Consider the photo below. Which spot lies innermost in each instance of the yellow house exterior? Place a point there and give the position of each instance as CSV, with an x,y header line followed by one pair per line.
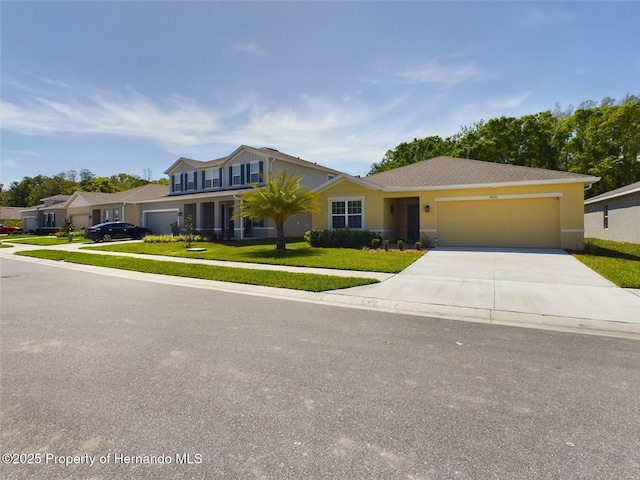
x,y
461,202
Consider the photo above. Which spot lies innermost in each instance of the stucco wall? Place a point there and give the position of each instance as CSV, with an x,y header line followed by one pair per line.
x,y
624,219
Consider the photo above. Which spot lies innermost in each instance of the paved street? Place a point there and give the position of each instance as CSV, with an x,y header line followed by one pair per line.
x,y
208,384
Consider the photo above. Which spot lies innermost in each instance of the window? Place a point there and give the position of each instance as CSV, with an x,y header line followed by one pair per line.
x,y
49,220
346,214
106,215
254,173
191,183
606,217
177,185
116,215
236,175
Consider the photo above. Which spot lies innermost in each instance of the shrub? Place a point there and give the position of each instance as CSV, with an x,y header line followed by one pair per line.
x,y
340,238
401,245
418,246
386,245
375,243
427,241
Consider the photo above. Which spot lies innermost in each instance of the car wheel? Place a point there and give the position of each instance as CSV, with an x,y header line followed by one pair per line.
x,y
106,237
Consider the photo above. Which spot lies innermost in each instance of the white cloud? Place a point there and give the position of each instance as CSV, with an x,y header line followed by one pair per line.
x,y
250,48
442,74
547,16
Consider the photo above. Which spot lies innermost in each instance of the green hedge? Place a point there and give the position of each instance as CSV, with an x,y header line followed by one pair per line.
x,y
340,238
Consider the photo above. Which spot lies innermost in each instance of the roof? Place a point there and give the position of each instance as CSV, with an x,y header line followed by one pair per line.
x,y
150,191
618,192
264,151
10,213
451,171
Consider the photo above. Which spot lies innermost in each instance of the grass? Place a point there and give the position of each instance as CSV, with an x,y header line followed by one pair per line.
x,y
298,254
292,280
47,240
617,262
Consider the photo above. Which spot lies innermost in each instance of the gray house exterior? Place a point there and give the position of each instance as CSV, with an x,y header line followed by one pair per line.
x,y
48,216
614,215
207,191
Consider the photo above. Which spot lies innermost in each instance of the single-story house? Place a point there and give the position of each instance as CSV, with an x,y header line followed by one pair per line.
x,y
614,215
461,202
47,216
90,208
10,213
207,191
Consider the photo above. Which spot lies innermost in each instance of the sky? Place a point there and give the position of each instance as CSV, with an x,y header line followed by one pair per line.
x,y
130,87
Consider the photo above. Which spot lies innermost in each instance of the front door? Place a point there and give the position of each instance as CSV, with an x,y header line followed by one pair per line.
x,y
413,223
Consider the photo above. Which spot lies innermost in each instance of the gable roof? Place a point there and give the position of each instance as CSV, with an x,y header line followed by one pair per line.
x,y
150,191
265,152
450,171
618,192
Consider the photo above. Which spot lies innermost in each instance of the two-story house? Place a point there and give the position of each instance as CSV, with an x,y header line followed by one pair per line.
x,y
208,191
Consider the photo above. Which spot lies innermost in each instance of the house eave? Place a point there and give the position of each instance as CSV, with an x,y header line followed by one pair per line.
x,y
609,197
587,181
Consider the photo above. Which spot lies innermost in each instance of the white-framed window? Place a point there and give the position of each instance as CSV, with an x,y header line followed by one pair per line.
x,y
346,213
212,178
177,185
106,215
236,175
191,180
116,215
254,172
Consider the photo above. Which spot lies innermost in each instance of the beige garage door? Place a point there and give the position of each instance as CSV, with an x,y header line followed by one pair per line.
x,y
526,222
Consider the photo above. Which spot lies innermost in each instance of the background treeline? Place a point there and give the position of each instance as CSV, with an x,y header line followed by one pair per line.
x,y
31,190
595,139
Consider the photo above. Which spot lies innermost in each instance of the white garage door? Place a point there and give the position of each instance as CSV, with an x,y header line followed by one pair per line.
x,y
160,222
519,222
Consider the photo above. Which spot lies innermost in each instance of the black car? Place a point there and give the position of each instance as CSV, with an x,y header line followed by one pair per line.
x,y
105,232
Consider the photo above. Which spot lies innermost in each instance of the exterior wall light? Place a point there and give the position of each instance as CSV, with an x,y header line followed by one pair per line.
x,y
426,208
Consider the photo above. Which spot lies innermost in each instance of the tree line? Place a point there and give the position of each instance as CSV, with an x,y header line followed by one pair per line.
x,y
595,139
31,190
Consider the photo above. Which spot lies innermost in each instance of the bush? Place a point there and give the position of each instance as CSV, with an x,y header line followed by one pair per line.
x,y
375,243
418,246
401,245
340,238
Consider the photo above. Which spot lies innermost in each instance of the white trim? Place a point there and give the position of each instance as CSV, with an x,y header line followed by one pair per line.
x,y
499,197
608,197
572,230
429,230
346,200
426,188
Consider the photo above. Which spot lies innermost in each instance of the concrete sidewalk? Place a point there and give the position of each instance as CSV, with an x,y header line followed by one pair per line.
x,y
534,288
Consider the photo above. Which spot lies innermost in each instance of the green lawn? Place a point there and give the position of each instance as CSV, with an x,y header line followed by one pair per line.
x,y
47,240
617,262
298,254
269,278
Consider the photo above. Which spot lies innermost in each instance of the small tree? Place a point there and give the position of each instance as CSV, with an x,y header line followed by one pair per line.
x,y
67,228
281,197
188,230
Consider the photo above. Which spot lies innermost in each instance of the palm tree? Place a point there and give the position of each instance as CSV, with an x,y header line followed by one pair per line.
x,y
279,198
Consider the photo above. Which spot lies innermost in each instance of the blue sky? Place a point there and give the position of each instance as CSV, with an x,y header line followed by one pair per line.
x,y
127,86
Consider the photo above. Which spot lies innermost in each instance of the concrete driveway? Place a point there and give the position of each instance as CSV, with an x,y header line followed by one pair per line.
x,y
499,285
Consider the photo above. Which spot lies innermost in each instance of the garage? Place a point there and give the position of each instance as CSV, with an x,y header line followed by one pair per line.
x,y
159,222
499,222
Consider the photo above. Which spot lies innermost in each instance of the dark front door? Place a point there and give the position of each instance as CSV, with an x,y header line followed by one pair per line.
x,y
413,223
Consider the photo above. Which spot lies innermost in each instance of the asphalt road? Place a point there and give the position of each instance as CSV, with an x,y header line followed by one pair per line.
x,y
205,384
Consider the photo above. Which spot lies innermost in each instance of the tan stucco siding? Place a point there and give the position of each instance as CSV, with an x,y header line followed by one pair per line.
x,y
568,215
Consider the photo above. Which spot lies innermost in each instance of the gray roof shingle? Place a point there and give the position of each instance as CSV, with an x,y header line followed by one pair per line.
x,y
445,171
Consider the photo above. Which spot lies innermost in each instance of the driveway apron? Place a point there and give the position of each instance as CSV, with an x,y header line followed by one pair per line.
x,y
506,284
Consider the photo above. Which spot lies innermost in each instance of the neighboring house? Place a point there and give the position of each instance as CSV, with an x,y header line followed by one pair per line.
x,y
90,208
614,215
461,202
10,213
48,216
208,191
